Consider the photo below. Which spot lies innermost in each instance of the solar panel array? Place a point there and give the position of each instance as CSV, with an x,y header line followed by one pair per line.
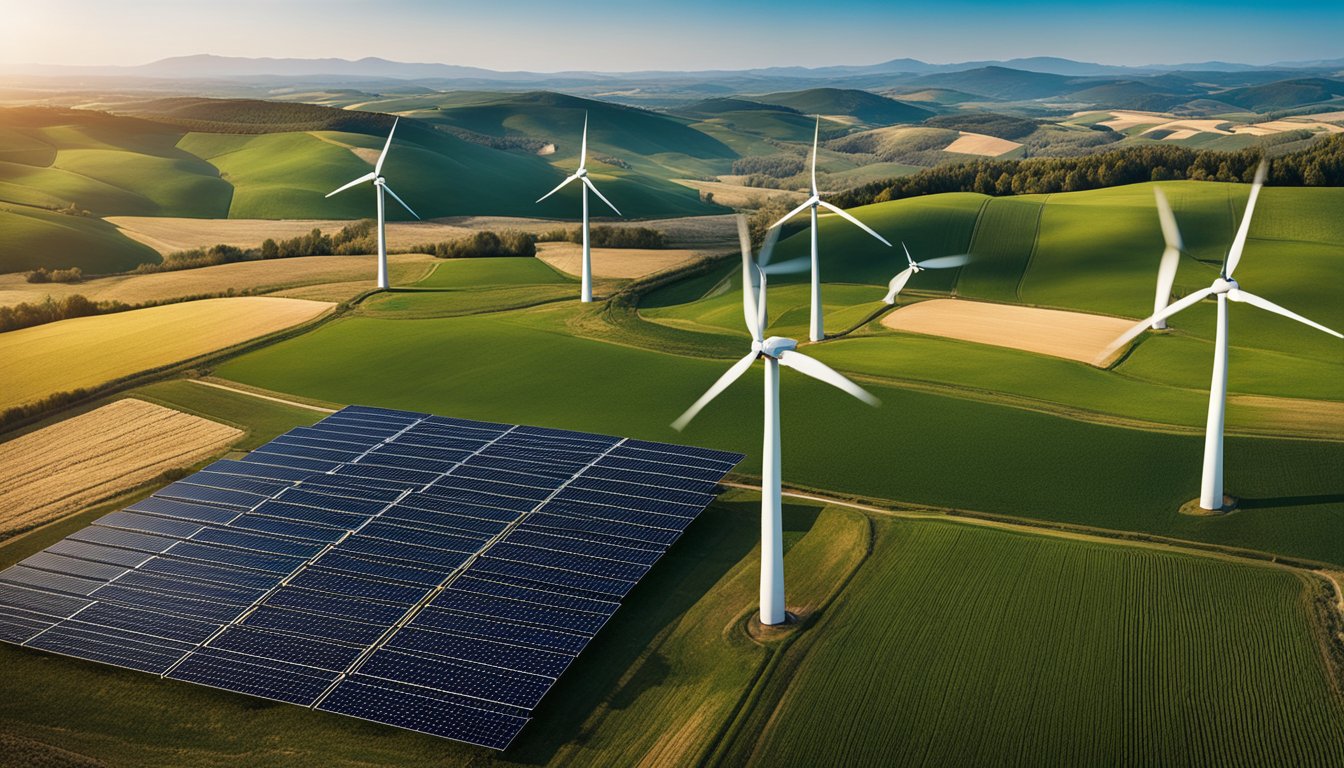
x,y
431,573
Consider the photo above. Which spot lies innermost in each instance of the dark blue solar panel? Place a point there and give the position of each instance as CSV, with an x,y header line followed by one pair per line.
x,y
426,711
431,573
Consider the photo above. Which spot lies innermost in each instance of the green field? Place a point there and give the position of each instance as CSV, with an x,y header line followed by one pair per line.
x,y
39,238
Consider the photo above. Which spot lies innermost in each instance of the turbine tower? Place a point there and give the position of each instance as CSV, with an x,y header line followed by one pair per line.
x,y
775,351
380,184
586,293
942,262
1225,288
816,331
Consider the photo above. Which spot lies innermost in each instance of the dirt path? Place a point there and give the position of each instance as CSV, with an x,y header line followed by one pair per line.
x,y
260,396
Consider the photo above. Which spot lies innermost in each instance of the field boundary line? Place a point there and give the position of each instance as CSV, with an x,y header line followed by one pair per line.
x,y
273,399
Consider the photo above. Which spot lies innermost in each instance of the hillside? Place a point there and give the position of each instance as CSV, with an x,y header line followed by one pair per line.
x,y
862,105
1285,94
998,83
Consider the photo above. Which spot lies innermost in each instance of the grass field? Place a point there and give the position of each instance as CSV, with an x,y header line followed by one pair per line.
x,y
38,238
88,351
77,463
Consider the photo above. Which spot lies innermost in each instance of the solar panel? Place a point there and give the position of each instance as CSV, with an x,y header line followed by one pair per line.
x,y
426,572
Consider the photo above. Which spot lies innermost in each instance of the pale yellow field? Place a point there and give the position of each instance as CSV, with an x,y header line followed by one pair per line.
x,y
68,466
980,144
367,154
1071,335
1199,126
741,196
619,263
166,234
88,351
1121,120
347,276
1183,133
1298,124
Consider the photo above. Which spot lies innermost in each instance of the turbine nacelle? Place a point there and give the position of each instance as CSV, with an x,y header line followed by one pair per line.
x,y
777,345
1223,285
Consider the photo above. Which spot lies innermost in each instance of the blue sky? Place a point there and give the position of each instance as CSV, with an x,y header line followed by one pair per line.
x,y
556,35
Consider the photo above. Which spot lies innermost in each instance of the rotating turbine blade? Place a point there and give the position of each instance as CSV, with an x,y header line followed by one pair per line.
x,y
816,136
399,200
767,247
808,203
1188,301
897,283
790,267
1236,294
749,312
810,366
1239,243
366,177
593,187
908,257
946,262
378,166
762,319
559,186
726,380
583,147
853,221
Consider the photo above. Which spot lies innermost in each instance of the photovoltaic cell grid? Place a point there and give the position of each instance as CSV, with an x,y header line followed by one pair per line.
x,y
430,573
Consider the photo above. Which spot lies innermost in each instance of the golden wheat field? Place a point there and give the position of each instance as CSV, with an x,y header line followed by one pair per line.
x,y
81,461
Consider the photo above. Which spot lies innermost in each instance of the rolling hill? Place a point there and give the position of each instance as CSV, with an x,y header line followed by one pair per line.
x,y
1285,94
862,105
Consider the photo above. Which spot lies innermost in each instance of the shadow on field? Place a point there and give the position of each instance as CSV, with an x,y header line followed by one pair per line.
x,y
723,535
1291,501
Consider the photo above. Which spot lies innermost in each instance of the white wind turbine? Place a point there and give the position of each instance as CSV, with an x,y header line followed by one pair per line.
x,y
1171,255
816,330
775,351
942,262
379,183
586,293
1225,288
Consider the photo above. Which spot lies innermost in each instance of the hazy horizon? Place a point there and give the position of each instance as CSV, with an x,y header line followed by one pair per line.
x,y
604,35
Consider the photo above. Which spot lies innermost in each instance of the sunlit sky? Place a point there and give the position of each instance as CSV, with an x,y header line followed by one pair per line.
x,y
624,35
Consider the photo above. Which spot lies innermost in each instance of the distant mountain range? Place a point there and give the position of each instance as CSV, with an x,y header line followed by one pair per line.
x,y
207,66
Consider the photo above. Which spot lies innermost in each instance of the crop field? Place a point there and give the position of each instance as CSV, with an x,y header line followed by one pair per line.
x,y
616,263
71,465
88,351
956,646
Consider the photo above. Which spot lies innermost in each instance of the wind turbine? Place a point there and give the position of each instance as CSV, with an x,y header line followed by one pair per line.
x,y
1225,288
586,293
1171,255
816,331
380,184
942,262
775,351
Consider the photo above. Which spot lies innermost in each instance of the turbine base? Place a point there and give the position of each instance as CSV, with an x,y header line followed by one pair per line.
x,y
1192,507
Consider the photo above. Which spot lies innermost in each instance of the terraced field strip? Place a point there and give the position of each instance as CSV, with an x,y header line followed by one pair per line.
x,y
74,463
1070,335
89,351
616,263
962,646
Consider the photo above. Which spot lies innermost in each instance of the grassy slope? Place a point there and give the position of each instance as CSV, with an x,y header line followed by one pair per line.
x,y
37,238
552,378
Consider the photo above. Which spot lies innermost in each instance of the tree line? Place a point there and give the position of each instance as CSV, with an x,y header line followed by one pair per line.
x,y
352,240
1319,165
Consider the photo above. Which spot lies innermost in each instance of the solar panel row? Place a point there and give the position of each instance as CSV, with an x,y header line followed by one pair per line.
x,y
431,573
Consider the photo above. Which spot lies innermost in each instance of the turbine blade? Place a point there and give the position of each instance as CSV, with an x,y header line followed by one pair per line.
x,y
810,366
946,262
1170,232
790,267
599,194
726,380
583,147
806,204
558,187
897,283
854,221
749,312
816,135
399,200
378,167
366,177
1239,243
762,319
768,247
1166,277
1236,294
1127,336
908,257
